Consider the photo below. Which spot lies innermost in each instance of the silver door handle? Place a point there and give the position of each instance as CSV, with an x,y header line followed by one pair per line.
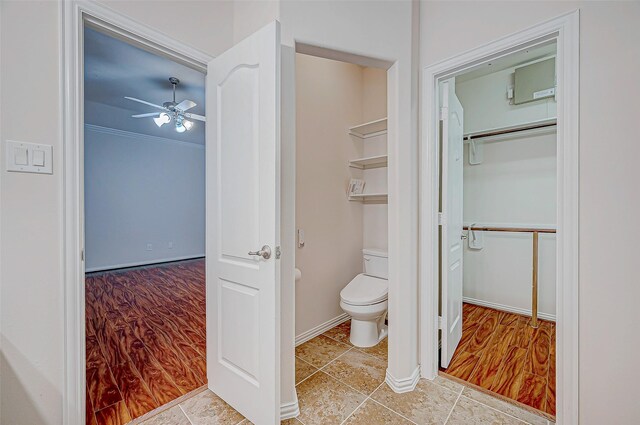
x,y
265,252
463,236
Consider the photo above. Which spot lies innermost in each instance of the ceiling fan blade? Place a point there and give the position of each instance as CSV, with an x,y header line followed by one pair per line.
x,y
149,114
146,103
185,105
195,117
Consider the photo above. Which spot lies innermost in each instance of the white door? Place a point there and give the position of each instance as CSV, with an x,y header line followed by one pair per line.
x,y
451,239
243,190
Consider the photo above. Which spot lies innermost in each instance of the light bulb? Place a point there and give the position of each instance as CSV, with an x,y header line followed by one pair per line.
x,y
187,124
180,128
161,119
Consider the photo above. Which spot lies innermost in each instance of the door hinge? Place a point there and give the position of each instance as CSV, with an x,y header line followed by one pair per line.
x,y
82,255
443,112
439,322
278,253
441,219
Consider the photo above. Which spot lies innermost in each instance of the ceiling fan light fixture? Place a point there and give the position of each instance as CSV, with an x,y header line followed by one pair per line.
x,y
187,124
180,128
161,119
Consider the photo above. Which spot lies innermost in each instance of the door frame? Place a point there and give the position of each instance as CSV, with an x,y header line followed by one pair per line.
x,y
565,30
74,15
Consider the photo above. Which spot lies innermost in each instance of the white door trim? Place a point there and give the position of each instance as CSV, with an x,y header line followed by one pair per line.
x,y
565,30
73,16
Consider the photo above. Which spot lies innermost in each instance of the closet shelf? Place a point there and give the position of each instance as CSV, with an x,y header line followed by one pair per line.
x,y
369,162
369,197
369,129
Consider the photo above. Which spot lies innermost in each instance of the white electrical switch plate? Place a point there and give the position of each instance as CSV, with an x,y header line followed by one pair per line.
x,y
25,157
38,158
21,156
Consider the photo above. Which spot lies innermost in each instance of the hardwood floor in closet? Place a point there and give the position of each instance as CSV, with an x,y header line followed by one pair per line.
x,y
145,339
502,353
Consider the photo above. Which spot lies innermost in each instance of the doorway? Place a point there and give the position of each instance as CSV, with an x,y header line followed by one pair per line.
x,y
498,185
144,210
436,161
341,227
243,369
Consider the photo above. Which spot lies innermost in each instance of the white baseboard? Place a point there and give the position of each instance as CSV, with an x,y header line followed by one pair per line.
x,y
320,329
142,263
289,410
403,385
508,308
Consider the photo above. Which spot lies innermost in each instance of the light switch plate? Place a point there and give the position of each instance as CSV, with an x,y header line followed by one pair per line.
x,y
37,157
36,154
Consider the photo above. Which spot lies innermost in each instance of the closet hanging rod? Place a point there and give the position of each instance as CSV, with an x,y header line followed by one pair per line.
x,y
509,229
493,133
534,267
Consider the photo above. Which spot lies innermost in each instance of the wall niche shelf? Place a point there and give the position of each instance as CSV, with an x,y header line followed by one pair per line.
x,y
369,129
378,198
369,162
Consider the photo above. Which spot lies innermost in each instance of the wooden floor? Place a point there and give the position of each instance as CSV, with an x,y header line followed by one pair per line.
x,y
502,353
145,339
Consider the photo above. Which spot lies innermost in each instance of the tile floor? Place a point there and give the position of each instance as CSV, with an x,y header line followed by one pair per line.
x,y
341,384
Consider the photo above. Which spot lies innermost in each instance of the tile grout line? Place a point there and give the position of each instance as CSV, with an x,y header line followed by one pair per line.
x,y
334,339
320,369
452,408
314,372
340,355
501,411
360,405
185,413
347,385
390,409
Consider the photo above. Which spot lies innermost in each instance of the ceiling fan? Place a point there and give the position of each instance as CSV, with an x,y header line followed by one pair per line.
x,y
171,111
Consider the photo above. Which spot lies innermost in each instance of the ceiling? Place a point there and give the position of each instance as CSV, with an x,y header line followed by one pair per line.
x,y
509,61
115,69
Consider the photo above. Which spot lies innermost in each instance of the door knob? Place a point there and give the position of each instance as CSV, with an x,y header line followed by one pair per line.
x,y
265,252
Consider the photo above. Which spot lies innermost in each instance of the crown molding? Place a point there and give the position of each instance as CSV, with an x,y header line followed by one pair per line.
x,y
137,136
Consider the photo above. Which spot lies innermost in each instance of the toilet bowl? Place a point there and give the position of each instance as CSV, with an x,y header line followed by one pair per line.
x,y
364,299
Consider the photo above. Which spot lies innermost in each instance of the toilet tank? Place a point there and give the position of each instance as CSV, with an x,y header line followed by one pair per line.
x,y
375,263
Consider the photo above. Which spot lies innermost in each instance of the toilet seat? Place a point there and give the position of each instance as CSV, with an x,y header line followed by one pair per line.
x,y
365,290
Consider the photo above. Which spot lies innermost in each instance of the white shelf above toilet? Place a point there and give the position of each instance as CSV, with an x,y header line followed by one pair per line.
x,y
369,197
378,161
369,129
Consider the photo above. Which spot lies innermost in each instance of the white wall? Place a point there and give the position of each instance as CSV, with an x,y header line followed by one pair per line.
x,y
31,313
514,186
609,202
205,25
486,98
328,102
141,190
32,286
251,15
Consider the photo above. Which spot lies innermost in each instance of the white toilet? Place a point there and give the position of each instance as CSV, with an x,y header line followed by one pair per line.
x,y
365,300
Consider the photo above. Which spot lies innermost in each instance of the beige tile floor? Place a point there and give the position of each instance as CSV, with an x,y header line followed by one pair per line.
x,y
338,383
